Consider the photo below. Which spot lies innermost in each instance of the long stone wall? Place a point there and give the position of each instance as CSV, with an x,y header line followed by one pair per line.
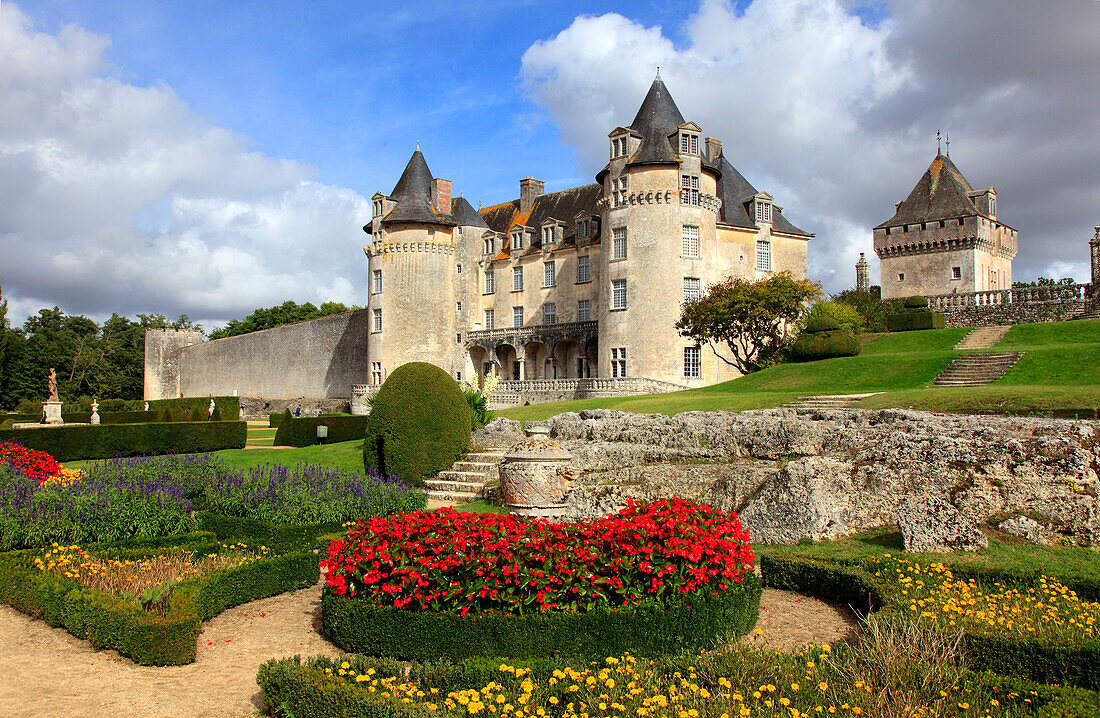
x,y
317,359
1002,314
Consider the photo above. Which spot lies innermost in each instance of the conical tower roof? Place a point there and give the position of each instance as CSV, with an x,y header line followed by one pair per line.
x,y
658,111
941,193
413,195
465,215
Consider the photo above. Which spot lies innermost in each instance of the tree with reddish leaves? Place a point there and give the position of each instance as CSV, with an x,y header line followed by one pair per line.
x,y
746,323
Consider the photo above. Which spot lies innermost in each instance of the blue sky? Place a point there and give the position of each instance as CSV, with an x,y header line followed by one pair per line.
x,y
212,157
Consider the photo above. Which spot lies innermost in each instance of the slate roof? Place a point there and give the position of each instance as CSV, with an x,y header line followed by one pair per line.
x,y
941,193
464,214
658,119
735,192
413,195
563,206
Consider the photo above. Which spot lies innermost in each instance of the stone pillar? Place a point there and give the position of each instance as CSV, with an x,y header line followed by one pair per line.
x,y
1094,253
535,479
863,274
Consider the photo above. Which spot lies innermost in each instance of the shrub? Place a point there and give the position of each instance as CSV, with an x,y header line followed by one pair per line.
x,y
71,443
844,316
914,320
310,494
181,409
915,302
419,424
303,431
871,308
824,338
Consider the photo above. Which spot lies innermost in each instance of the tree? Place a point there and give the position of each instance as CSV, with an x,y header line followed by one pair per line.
x,y
752,320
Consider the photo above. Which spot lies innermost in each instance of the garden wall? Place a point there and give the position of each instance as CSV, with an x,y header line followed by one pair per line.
x,y
1022,313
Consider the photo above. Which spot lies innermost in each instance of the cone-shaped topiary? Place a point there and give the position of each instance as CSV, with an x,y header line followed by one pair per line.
x,y
419,424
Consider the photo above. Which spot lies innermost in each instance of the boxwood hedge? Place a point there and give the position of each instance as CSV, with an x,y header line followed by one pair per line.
x,y
70,443
303,431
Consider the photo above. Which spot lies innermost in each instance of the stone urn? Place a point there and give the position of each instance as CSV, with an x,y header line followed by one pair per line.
x,y
535,478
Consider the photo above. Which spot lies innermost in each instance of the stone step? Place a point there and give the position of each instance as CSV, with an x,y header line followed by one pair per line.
x,y
452,475
976,369
485,457
983,338
452,497
469,487
474,466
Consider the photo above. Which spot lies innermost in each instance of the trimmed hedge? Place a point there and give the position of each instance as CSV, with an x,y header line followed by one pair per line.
x,y
419,424
183,409
1015,655
825,345
303,431
70,443
702,622
819,324
277,537
914,320
147,638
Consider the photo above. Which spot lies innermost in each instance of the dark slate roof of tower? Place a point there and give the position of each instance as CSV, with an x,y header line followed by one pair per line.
x,y
941,193
563,205
735,192
413,195
464,214
657,119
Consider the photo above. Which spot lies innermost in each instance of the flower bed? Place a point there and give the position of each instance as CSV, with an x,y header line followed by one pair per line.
x,y
36,465
658,577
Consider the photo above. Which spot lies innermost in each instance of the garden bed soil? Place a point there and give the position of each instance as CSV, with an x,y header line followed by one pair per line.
x,y
46,671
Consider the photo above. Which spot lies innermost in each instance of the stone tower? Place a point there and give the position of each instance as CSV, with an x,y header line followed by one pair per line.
x,y
1094,254
945,238
863,274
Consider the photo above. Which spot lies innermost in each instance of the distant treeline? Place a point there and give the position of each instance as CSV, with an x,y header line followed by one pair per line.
x,y
286,313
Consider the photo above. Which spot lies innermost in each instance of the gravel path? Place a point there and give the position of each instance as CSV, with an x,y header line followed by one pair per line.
x,y
47,672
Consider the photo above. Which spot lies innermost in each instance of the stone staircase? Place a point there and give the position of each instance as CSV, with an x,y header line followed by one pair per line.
x,y
831,401
465,481
982,338
977,369
1092,312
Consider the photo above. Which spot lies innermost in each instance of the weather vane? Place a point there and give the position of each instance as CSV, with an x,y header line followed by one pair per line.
x,y
938,146
948,143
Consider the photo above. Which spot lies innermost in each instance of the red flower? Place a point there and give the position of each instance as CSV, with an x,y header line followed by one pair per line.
x,y
37,465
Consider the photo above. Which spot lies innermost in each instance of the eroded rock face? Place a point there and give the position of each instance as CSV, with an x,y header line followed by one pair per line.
x,y
834,472
930,524
498,433
1028,529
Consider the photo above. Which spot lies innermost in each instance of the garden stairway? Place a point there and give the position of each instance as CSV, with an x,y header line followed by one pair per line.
x,y
1092,312
830,401
465,481
977,369
982,338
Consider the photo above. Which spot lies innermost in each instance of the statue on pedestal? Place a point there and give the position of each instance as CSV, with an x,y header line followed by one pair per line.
x,y
95,412
53,385
210,411
51,408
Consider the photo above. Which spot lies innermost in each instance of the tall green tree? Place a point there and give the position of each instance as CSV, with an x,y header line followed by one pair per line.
x,y
746,323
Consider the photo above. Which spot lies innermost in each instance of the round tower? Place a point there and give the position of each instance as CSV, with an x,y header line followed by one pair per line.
x,y
413,293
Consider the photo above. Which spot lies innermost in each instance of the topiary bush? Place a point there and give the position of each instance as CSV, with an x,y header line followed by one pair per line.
x,y
844,315
915,302
823,338
419,424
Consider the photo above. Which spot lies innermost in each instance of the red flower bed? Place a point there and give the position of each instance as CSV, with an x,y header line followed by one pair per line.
x,y
450,561
37,465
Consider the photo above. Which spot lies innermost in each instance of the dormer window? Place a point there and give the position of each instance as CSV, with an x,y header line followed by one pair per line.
x,y
689,143
618,146
547,235
517,239
992,205
378,208
583,226
763,210
487,245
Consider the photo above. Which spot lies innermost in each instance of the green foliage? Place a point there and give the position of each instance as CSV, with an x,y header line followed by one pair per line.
x,y
814,346
845,316
112,622
913,320
479,407
915,302
746,323
871,308
66,443
303,431
186,409
286,313
257,532
702,623
818,324
419,424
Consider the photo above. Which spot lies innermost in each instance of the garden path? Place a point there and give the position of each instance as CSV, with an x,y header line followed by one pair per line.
x,y
46,671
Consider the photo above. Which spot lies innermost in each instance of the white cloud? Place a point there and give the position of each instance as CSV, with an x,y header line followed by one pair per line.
x,y
118,198
836,117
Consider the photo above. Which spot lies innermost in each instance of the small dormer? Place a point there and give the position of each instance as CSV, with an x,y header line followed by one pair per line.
x,y
584,226
517,238
552,232
489,243
762,208
378,204
986,201
621,146
687,141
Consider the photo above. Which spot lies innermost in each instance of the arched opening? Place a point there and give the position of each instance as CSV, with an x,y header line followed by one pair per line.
x,y
482,365
510,369
591,356
536,354
568,363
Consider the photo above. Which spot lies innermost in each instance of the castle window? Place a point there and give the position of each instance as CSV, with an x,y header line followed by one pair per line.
x,y
993,205
956,272
458,306
763,211
689,190
517,279
943,223
582,227
487,245
690,245
458,340
488,319
376,281
582,270
458,269
376,372
691,289
377,208
691,362
960,221
458,376
584,310
689,144
549,275
549,313
517,316
547,235
901,276
763,255
618,294
490,282
517,239
618,243
618,362
377,320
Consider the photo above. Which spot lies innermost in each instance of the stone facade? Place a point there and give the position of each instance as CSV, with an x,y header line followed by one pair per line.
x,y
484,291
162,361
945,238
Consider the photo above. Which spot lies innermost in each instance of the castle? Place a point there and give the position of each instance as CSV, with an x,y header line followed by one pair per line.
x,y
583,283
944,238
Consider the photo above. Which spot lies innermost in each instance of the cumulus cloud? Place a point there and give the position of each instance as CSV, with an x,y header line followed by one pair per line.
x,y
836,116
118,198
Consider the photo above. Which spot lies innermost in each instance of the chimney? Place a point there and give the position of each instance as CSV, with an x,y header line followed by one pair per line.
x,y
529,189
714,149
863,274
441,195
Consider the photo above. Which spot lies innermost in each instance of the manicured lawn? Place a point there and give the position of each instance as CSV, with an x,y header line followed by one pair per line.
x,y
347,455
930,340
999,398
709,399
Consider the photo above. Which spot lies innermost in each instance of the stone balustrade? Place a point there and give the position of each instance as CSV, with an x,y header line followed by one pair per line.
x,y
1016,295
541,391
1019,305
534,332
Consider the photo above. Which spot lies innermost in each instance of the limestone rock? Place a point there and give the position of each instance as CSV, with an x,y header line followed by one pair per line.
x,y
931,524
809,498
1028,529
498,433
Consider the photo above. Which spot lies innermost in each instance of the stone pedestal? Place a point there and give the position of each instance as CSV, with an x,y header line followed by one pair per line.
x,y
535,479
51,412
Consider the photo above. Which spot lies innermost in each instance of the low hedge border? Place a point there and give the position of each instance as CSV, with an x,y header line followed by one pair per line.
x,y
303,431
703,622
229,407
277,537
147,638
105,441
852,583
914,319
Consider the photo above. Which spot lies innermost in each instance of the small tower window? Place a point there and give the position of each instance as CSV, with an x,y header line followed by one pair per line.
x,y
377,320
689,144
956,272
376,281
490,282
487,245
618,243
458,269
763,211
488,319
689,190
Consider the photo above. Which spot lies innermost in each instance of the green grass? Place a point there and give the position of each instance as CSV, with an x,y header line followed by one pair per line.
x,y
931,340
1061,401
480,507
713,398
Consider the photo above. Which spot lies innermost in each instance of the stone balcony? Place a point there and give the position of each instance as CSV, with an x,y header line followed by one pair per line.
x,y
549,334
541,391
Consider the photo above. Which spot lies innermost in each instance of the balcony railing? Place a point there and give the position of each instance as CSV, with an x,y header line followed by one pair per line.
x,y
534,331
1016,295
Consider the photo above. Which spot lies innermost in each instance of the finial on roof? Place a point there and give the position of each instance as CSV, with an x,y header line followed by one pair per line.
x,y
418,145
938,149
658,72
948,143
